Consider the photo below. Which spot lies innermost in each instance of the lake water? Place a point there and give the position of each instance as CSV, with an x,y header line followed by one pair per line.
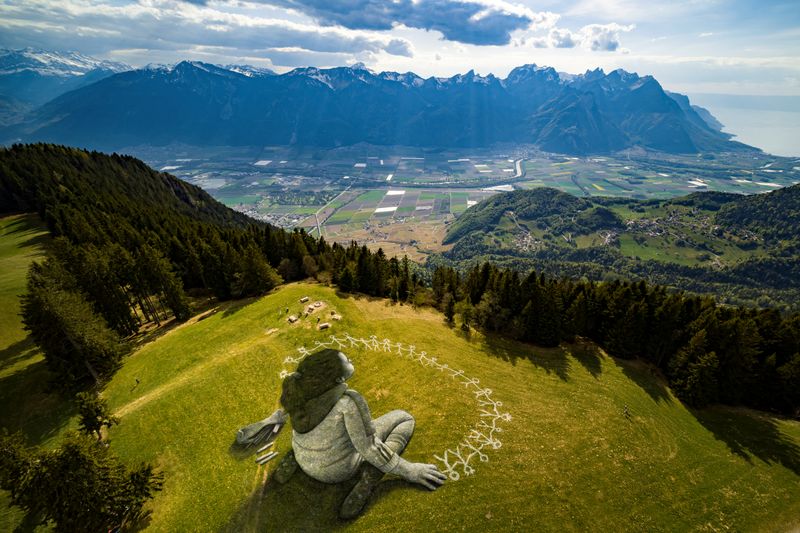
x,y
769,123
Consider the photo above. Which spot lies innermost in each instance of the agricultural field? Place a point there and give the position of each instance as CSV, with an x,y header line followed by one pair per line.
x,y
400,221
566,456
640,177
379,195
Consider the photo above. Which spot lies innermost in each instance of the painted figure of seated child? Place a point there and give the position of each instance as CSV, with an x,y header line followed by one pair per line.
x,y
335,438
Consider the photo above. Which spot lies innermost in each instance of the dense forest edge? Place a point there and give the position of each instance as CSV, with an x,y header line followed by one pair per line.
x,y
132,246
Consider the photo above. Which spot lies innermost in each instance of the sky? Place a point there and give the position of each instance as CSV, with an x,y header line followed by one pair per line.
x,y
747,47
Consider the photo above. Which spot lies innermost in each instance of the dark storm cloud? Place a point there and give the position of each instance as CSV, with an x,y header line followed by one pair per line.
x,y
477,22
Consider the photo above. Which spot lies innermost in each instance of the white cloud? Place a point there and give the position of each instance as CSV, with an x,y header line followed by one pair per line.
x,y
594,37
603,37
559,38
167,25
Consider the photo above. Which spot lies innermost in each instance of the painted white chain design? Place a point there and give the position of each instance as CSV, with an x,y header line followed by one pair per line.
x,y
480,438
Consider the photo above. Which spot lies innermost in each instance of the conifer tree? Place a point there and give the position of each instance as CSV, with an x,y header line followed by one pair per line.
x,y
94,414
256,276
77,343
694,372
466,311
80,486
448,302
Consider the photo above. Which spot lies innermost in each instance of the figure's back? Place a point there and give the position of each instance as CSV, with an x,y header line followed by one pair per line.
x,y
326,452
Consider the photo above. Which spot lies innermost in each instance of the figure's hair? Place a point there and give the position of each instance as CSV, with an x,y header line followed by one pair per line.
x,y
316,374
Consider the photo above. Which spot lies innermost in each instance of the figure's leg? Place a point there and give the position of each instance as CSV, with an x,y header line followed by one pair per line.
x,y
286,468
395,428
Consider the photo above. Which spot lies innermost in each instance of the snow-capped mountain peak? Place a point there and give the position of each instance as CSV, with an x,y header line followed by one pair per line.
x,y
48,63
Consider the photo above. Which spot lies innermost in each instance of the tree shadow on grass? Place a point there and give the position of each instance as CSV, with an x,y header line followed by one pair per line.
x,y
151,332
551,360
40,240
25,222
44,412
28,225
17,352
360,296
647,377
234,306
302,504
29,522
749,434
588,355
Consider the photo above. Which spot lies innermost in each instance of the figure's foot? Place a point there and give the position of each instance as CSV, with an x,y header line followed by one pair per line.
x,y
286,468
359,496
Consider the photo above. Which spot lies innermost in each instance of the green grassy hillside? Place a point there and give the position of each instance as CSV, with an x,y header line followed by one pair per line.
x,y
24,403
570,459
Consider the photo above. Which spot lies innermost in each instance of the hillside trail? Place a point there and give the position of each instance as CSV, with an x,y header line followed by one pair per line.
x,y
188,376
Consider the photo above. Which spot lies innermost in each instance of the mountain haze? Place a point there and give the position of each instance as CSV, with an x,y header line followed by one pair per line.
x,y
202,104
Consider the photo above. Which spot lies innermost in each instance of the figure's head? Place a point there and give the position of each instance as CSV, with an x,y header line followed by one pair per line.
x,y
316,374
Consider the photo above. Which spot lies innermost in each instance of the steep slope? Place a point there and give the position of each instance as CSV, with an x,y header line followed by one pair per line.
x,y
118,188
567,448
203,104
774,216
573,124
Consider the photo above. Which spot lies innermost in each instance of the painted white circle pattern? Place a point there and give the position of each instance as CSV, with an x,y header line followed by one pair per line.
x,y
459,459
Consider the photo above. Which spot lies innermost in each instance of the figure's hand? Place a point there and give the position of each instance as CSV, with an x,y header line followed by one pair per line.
x,y
424,474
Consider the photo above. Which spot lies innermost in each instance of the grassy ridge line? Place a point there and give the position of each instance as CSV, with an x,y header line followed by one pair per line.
x,y
569,460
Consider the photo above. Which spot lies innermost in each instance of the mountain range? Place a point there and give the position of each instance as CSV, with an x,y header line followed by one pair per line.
x,y
202,104
30,77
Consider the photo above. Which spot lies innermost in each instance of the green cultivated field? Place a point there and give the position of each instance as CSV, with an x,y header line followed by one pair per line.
x,y
570,459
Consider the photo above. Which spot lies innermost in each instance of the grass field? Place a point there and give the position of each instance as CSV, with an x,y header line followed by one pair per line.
x,y
570,459
24,403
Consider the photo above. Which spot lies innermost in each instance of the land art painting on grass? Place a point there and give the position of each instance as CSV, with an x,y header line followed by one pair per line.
x,y
570,457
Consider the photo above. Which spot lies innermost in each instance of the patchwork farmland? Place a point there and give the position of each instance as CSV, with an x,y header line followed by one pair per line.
x,y
401,198
406,221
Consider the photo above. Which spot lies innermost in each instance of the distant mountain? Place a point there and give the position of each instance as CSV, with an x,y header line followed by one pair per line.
x,y
251,71
31,77
204,104
703,113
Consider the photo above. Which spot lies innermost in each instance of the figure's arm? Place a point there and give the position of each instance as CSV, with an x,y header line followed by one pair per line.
x,y
370,447
377,453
